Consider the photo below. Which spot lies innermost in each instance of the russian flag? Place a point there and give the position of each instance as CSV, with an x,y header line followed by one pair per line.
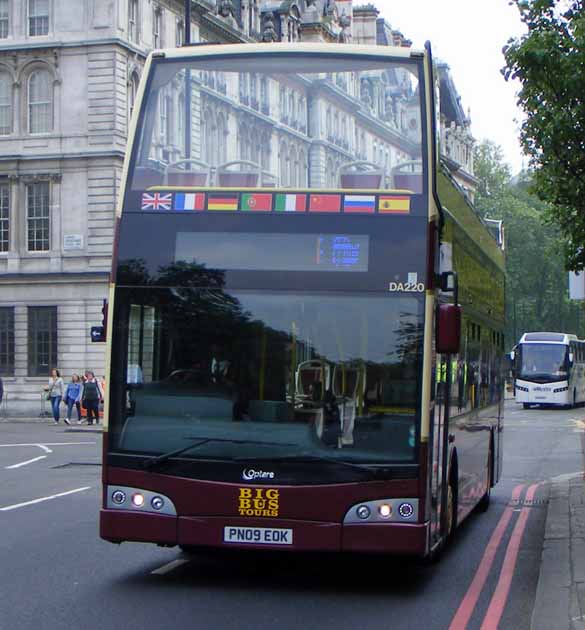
x,y
364,204
189,201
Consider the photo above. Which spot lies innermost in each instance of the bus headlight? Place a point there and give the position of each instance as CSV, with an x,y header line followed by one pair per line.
x,y
385,510
137,499
118,497
363,512
406,510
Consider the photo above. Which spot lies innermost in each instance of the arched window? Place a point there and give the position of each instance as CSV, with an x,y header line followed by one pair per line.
x,y
208,153
132,92
330,174
40,102
5,104
293,167
221,139
283,165
302,177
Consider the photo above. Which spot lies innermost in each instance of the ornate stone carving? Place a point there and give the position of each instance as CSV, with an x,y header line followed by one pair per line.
x,y
269,33
345,33
225,8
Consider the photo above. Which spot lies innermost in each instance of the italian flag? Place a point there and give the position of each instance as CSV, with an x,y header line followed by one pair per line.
x,y
290,203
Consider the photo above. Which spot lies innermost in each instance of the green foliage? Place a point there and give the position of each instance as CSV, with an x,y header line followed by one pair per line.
x,y
536,280
549,62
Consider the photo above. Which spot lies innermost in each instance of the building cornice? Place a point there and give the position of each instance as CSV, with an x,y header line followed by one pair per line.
x,y
28,47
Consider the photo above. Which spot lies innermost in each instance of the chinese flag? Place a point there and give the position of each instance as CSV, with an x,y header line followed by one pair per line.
x,y
325,203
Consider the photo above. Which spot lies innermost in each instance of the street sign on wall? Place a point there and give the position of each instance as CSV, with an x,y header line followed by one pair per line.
x,y
576,285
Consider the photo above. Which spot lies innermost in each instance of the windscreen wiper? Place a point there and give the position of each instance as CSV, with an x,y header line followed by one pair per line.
x,y
374,470
157,460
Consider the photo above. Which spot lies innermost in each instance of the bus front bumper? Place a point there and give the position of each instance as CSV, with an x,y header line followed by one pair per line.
x,y
195,531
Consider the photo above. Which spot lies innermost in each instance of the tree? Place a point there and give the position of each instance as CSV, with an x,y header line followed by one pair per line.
x,y
549,62
536,291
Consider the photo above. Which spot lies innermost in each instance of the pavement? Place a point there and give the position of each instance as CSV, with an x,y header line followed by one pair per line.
x,y
560,594
47,420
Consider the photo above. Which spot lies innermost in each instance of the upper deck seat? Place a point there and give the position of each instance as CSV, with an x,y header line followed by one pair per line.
x,y
408,176
188,173
361,174
239,174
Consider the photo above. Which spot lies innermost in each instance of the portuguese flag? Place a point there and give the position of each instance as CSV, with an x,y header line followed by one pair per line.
x,y
257,202
290,203
222,201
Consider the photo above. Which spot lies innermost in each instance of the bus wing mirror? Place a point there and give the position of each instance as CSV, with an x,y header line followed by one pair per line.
x,y
448,328
571,358
512,356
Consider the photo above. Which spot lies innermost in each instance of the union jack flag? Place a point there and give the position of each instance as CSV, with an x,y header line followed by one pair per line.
x,y
157,201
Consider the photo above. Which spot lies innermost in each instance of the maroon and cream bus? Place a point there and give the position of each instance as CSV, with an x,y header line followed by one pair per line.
x,y
305,340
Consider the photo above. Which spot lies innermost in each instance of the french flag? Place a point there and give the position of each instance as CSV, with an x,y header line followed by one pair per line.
x,y
189,201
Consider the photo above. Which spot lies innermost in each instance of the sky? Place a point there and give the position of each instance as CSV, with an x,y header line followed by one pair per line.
x,y
469,36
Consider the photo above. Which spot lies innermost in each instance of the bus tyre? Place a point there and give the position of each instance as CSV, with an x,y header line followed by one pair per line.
x,y
526,405
484,502
451,509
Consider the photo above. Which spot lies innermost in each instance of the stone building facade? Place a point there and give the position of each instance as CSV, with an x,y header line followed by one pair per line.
x,y
69,73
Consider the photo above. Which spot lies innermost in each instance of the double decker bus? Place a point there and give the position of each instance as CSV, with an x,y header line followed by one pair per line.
x,y
305,342
549,369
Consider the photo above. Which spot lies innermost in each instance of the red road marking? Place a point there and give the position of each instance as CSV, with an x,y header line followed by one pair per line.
x,y
467,606
500,596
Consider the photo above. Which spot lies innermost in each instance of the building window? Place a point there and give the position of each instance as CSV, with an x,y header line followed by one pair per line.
x,y
156,27
38,17
5,104
179,34
37,216
4,19
132,92
133,20
40,102
7,341
42,339
4,217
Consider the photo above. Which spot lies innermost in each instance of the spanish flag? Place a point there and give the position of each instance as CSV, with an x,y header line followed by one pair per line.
x,y
393,205
225,201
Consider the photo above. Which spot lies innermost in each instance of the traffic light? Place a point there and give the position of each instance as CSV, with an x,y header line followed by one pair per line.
x,y
105,316
98,333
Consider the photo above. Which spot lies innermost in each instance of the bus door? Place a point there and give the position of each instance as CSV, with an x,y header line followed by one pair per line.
x,y
439,420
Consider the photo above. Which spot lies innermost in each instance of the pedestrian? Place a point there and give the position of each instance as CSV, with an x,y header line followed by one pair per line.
x,y
1,390
55,393
73,397
91,397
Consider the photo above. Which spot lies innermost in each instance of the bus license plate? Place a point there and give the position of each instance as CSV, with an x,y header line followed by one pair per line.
x,y
257,535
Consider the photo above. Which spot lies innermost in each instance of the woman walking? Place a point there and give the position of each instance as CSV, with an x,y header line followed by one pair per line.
x,y
91,397
73,397
55,393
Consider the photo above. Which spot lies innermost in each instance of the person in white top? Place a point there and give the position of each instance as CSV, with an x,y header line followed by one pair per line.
x,y
55,393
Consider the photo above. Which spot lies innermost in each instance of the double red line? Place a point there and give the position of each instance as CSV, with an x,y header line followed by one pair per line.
x,y
500,596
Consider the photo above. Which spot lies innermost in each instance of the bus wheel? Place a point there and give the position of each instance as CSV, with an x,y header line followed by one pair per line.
x,y
484,502
526,405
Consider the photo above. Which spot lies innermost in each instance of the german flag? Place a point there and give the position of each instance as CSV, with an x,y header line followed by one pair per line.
x,y
394,204
223,201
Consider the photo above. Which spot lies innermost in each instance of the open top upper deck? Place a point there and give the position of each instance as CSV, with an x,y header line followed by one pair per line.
x,y
279,118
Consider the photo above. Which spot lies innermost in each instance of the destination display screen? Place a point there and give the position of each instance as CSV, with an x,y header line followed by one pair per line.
x,y
274,252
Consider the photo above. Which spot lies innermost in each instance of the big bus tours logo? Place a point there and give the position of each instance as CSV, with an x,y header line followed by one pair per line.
x,y
258,502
